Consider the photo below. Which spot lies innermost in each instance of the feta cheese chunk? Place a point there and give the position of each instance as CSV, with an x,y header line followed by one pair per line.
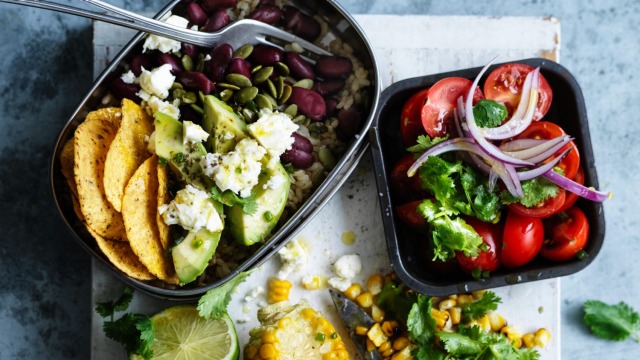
x,y
293,257
154,104
193,133
157,81
128,77
165,45
273,131
346,268
237,170
193,210
339,283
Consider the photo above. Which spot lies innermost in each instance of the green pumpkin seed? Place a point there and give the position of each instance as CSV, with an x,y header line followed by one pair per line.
x,y
226,94
304,83
273,101
286,93
238,80
178,93
244,51
262,75
326,157
189,98
251,105
201,96
291,110
263,102
271,87
187,63
300,120
245,95
200,65
317,128
228,86
248,115
279,85
176,85
282,68
256,68
197,108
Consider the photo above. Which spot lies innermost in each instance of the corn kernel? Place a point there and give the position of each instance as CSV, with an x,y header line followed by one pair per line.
x,y
384,346
528,340
308,313
386,353
400,343
278,290
251,352
513,334
390,277
483,323
343,355
330,356
456,315
446,304
376,335
370,345
361,330
314,282
389,328
268,351
353,291
285,322
405,354
542,337
497,321
464,299
375,283
440,317
478,294
377,314
269,338
365,300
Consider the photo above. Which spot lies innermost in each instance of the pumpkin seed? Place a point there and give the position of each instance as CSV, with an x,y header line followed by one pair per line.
x,y
317,128
273,101
256,68
286,93
282,68
326,157
279,85
178,93
245,95
300,120
304,83
226,94
201,96
176,85
251,105
272,89
248,115
263,102
262,75
238,80
187,63
228,86
189,98
200,65
244,51
197,108
291,110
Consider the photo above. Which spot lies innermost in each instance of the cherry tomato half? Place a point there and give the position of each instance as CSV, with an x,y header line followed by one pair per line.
x,y
409,216
521,240
571,198
410,122
437,112
547,130
543,210
504,84
405,188
568,235
487,260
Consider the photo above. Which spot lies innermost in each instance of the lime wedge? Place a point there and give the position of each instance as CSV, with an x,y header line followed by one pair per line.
x,y
182,334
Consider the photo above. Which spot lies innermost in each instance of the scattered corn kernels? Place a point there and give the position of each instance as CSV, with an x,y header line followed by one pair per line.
x,y
353,291
375,284
278,290
365,299
542,337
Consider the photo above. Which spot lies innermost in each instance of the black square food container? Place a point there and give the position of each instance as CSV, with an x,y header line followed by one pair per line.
x,y
407,252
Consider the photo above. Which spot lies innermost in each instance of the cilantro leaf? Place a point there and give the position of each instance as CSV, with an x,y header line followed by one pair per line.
x,y
611,322
249,205
425,143
395,300
213,304
471,342
420,323
134,331
489,113
535,191
460,345
479,308
108,308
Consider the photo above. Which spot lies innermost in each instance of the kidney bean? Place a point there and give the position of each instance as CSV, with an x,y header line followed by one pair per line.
x,y
333,66
176,66
193,80
300,23
309,102
269,14
217,21
240,66
146,61
190,49
298,66
187,2
328,87
349,121
301,143
266,55
266,2
213,5
332,106
120,89
196,14
298,158
216,68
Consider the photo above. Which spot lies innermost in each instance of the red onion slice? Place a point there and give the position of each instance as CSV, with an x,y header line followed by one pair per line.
x,y
540,170
457,144
521,144
574,187
542,151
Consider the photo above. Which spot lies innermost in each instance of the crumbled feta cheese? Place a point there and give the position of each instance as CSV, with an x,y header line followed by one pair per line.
x,y
157,81
128,77
346,268
165,45
339,283
227,135
207,58
273,131
312,282
253,294
193,210
193,133
237,170
293,257
154,104
275,182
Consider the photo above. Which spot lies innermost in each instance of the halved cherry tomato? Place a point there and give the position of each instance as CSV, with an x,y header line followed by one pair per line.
x,y
409,216
405,188
521,240
437,112
571,198
568,235
544,210
487,260
410,122
547,130
504,84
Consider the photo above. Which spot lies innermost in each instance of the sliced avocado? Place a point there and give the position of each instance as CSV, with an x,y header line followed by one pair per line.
x,y
192,255
224,125
249,229
182,158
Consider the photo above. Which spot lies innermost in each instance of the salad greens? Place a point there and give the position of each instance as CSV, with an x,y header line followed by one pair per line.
x,y
612,322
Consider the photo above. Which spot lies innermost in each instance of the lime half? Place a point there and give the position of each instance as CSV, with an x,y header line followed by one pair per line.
x,y
182,334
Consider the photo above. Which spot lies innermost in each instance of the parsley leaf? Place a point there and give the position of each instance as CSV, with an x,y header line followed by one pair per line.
x,y
479,308
108,308
249,204
425,143
213,304
611,322
535,191
421,325
489,113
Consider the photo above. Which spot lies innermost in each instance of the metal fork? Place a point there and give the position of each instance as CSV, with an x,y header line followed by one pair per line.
x,y
236,34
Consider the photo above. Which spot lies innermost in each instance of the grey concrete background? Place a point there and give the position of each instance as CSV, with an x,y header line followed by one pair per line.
x,y
45,69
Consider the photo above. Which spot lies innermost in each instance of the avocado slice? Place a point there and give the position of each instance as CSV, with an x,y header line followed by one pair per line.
x,y
224,125
249,229
182,158
192,255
